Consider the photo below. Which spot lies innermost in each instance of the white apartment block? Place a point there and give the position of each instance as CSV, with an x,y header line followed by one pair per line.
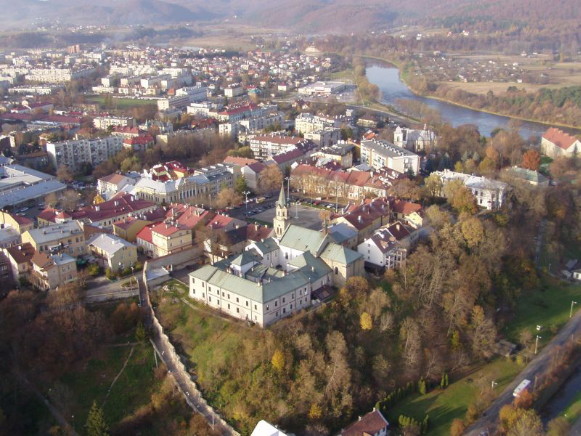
x,y
110,121
307,123
266,146
324,137
196,93
58,75
76,152
381,154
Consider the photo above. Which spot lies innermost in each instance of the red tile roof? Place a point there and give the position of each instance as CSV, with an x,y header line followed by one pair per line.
x,y
240,161
167,229
369,424
145,234
21,253
405,207
559,138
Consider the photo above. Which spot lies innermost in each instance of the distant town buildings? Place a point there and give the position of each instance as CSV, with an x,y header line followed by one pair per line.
x,y
381,154
75,153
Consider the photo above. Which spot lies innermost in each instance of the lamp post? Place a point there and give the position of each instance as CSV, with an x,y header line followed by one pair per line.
x,y
246,202
537,343
573,303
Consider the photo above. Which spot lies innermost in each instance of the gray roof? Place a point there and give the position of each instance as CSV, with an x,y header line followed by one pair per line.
x,y
313,268
300,238
56,231
341,232
19,184
109,243
386,148
266,246
340,254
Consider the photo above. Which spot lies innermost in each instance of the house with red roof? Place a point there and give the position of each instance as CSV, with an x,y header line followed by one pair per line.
x,y
371,424
555,143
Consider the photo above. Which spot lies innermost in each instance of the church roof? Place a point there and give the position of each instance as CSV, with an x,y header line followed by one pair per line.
x,y
281,197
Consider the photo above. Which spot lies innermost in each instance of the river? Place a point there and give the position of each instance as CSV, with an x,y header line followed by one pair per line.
x,y
392,88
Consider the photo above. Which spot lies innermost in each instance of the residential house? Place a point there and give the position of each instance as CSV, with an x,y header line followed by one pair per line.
x,y
19,257
49,271
104,214
555,143
113,252
67,237
382,250
371,424
110,185
365,218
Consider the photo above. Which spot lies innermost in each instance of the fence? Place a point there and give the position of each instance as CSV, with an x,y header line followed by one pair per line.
x,y
187,386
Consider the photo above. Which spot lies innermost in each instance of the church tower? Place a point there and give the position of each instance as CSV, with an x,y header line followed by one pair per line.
x,y
281,219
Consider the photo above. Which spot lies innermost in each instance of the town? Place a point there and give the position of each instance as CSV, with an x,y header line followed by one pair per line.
x,y
254,193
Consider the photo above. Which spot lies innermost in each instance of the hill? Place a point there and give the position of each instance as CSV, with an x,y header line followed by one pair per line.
x,y
307,16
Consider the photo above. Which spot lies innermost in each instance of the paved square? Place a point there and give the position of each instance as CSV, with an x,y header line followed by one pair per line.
x,y
307,216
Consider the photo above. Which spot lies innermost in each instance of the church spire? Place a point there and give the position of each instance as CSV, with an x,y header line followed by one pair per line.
x,y
282,197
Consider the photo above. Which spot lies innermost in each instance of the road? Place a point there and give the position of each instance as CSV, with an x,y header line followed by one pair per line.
x,y
102,289
489,420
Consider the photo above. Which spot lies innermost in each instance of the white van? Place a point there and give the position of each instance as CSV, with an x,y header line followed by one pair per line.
x,y
523,386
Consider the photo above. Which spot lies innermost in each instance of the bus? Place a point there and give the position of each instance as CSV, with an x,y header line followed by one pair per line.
x,y
523,386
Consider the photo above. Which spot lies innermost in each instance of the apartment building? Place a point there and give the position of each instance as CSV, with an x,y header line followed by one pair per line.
x,y
83,151
380,154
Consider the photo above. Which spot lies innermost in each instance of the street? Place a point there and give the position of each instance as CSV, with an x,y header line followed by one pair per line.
x,y
102,289
489,420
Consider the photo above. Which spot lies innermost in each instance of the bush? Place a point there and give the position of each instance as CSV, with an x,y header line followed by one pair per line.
x,y
94,269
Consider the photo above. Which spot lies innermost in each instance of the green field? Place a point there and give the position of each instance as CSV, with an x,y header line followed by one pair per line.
x,y
120,103
548,307
209,339
91,383
443,406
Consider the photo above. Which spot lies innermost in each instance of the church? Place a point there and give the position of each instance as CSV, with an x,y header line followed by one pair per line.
x,y
275,277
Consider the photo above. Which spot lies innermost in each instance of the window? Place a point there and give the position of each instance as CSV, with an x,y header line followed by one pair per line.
x,y
228,306
276,304
203,295
237,300
267,307
336,270
284,310
293,295
247,304
255,306
210,299
237,310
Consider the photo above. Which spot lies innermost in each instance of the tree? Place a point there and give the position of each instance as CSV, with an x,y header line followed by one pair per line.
x,y
96,425
457,428
270,179
366,321
473,231
240,185
531,160
228,197
527,423
278,360
315,412
559,427
140,333
64,174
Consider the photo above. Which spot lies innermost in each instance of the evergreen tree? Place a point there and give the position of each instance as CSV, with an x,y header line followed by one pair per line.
x,y
96,425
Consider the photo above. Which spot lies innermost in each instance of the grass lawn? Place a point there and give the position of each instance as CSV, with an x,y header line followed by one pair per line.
x,y
443,406
121,103
209,339
131,390
573,411
548,308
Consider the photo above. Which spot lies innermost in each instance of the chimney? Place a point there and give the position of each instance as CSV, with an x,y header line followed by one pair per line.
x,y
359,218
397,226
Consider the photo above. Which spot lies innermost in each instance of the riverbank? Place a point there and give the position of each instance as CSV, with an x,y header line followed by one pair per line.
x,y
396,64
